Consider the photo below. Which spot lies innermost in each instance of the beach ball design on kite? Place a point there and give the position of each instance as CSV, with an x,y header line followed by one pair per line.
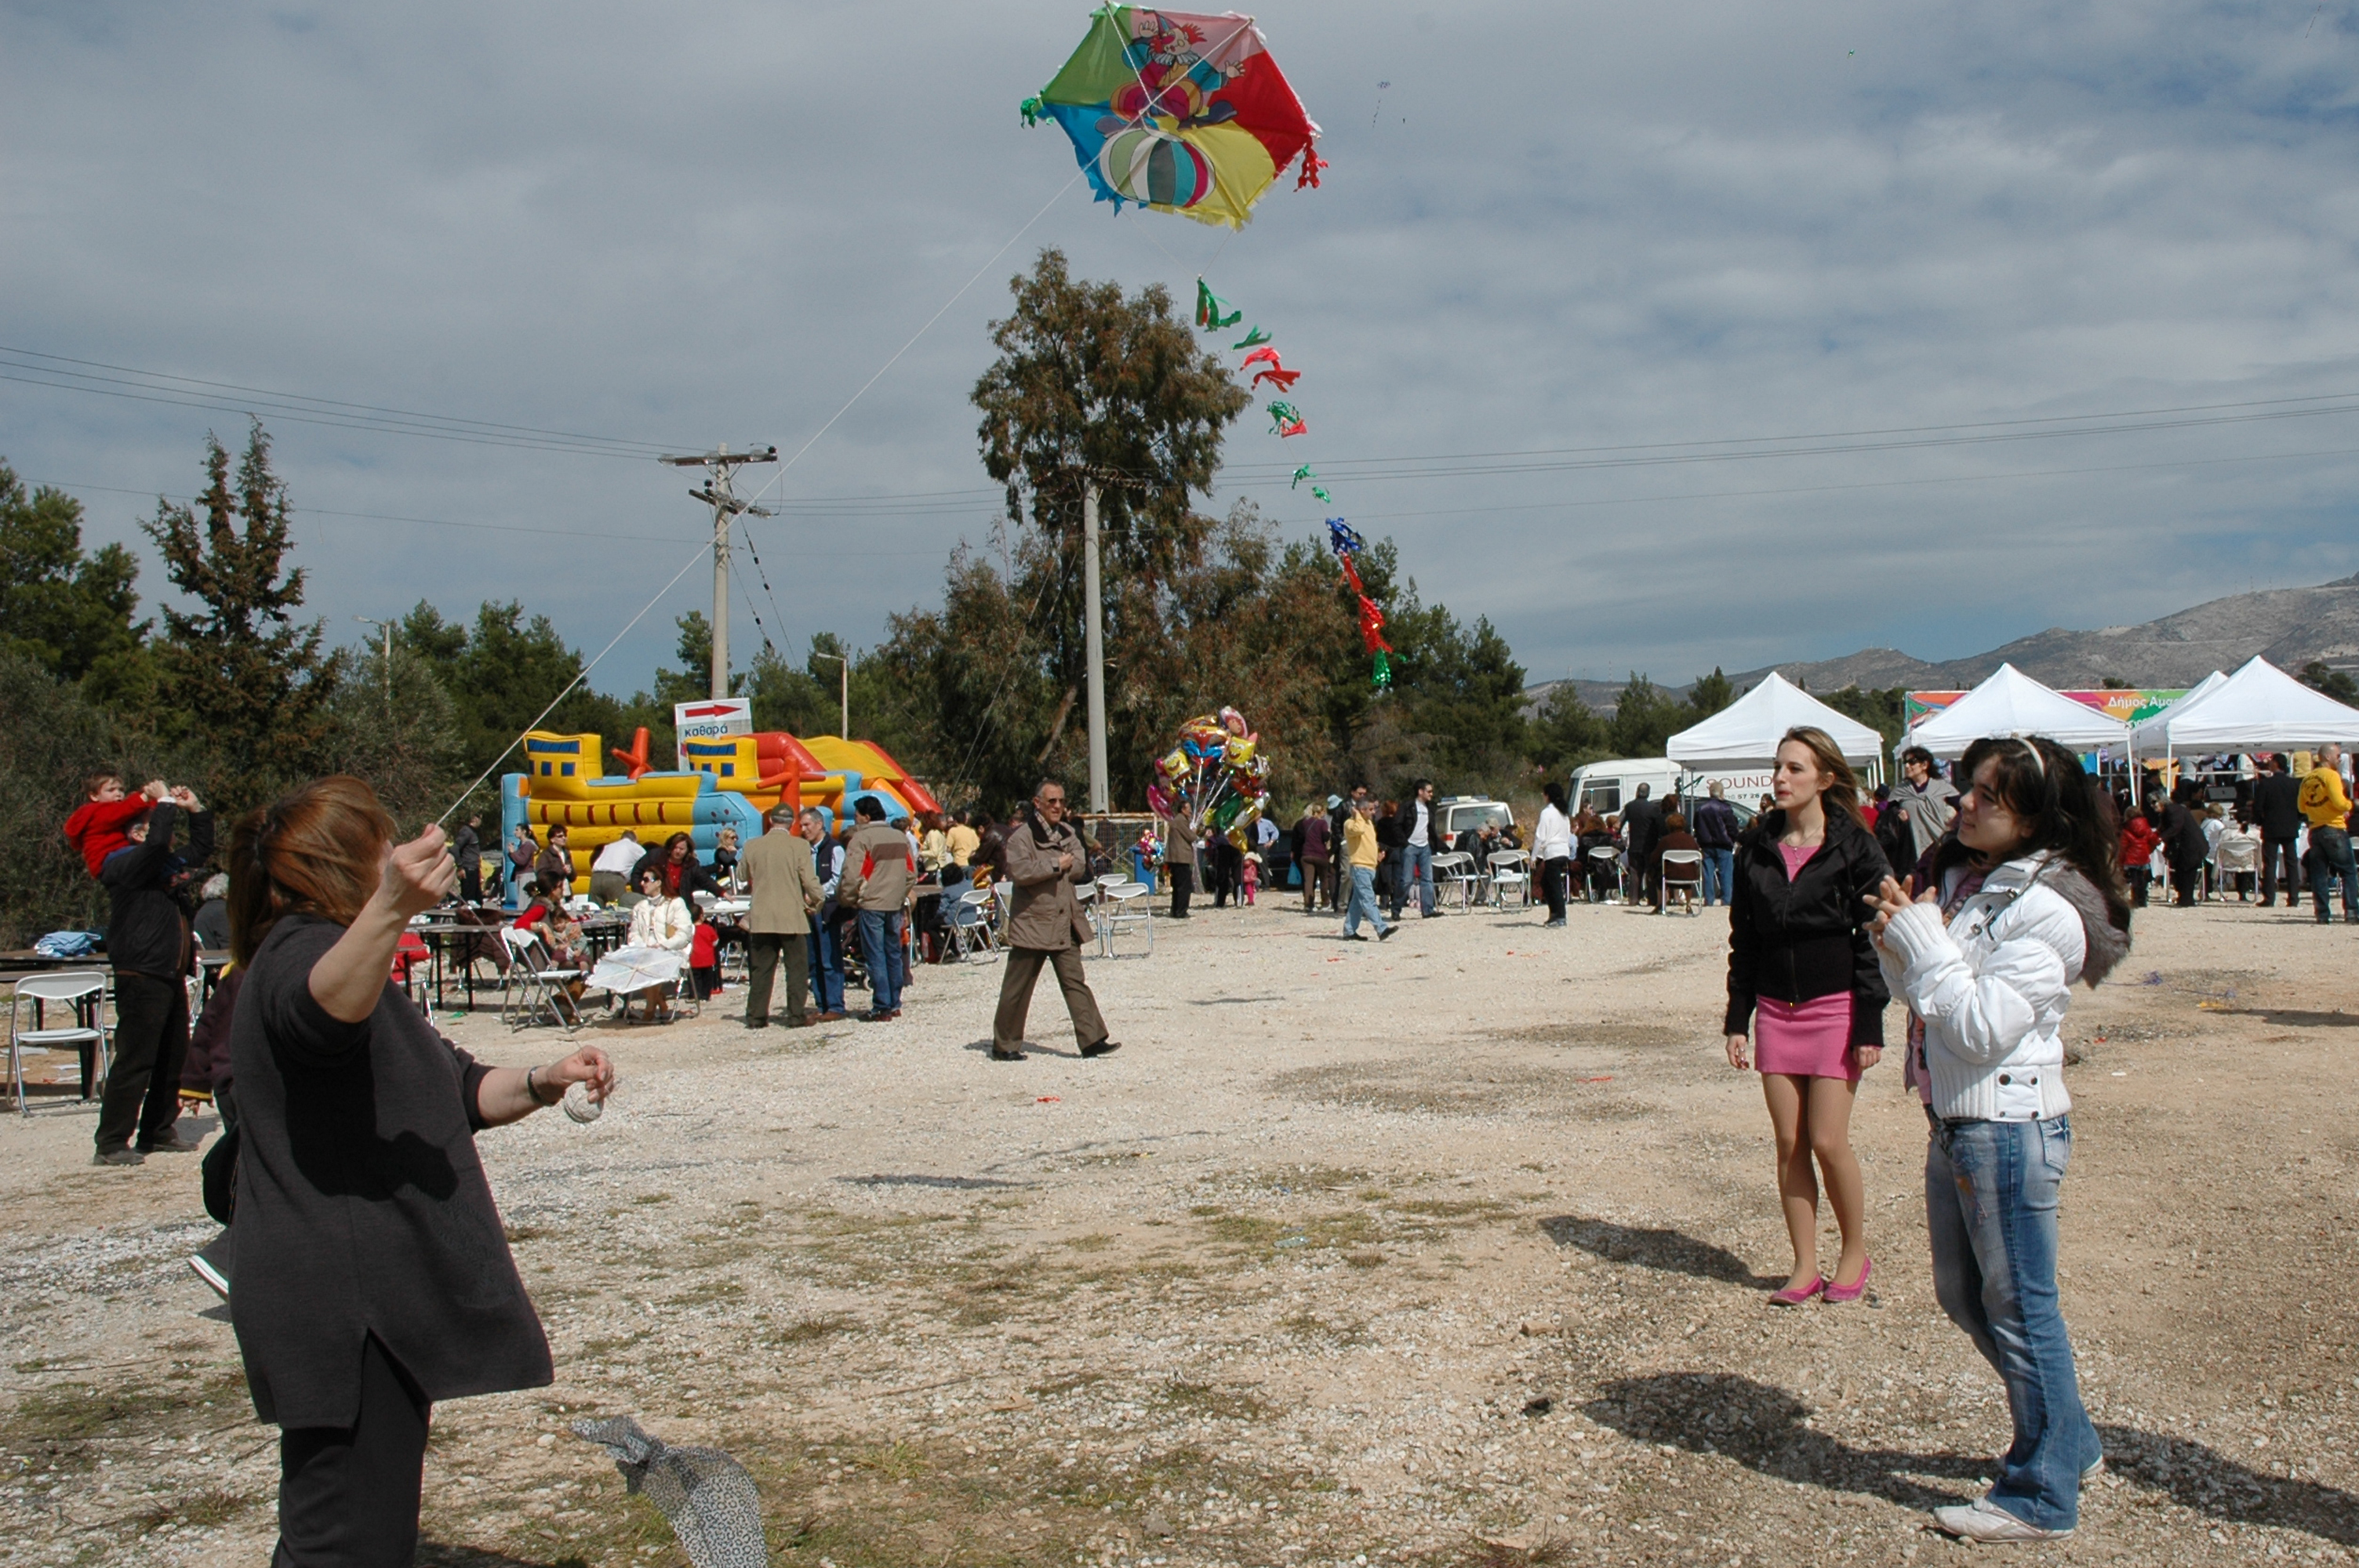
x,y
1179,111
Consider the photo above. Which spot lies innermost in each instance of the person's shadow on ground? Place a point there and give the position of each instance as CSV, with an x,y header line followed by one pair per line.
x,y
1761,1428
1656,1247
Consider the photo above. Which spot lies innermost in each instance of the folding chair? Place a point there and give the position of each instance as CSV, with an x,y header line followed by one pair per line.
x,y
1124,906
2232,859
1682,873
86,990
1605,865
1454,871
968,922
530,994
1511,872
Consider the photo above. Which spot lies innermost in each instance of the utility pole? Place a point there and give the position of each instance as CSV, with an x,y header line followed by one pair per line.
x,y
387,626
1093,644
721,464
843,691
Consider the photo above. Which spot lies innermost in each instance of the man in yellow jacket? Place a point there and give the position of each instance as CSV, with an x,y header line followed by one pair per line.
x,y
1361,854
2327,808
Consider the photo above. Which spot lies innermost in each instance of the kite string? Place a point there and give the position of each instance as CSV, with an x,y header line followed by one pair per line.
x,y
702,552
921,332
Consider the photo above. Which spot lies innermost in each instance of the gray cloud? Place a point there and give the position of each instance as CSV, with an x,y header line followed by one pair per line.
x,y
1559,227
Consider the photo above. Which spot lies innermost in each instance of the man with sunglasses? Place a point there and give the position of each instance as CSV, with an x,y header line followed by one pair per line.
x,y
1045,859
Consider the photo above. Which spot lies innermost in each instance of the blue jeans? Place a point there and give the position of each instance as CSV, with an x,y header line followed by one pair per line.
x,y
1719,875
2330,851
1416,869
1990,1206
1364,902
827,965
880,950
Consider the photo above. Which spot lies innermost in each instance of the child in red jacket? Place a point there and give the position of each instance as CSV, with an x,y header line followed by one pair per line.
x,y
98,827
2139,841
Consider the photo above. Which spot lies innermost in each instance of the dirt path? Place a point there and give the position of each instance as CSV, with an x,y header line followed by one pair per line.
x,y
1450,1249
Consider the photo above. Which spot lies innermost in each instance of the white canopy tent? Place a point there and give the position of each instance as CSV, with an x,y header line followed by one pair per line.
x,y
2147,734
2012,703
2258,708
1747,731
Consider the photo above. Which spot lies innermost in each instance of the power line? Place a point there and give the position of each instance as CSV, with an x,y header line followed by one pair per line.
x,y
165,387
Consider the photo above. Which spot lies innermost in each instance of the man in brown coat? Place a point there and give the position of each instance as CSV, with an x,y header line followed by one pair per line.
x,y
778,867
1045,859
1179,860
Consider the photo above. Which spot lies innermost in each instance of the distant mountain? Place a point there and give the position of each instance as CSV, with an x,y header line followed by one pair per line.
x,y
2287,626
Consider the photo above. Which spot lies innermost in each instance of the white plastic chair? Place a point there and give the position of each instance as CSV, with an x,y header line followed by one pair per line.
x,y
1511,872
1124,906
2232,856
1454,871
1605,858
86,990
530,994
967,920
1682,873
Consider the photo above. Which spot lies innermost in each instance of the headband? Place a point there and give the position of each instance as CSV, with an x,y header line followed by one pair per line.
x,y
2038,764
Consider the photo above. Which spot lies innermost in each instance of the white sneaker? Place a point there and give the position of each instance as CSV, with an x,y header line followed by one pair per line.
x,y
1984,1521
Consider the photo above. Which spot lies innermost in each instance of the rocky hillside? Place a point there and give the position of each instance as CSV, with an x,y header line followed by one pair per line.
x,y
2288,627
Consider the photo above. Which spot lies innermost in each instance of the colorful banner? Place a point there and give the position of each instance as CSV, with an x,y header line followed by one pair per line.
x,y
2128,703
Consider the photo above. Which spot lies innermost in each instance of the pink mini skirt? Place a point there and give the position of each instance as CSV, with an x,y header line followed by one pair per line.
x,y
1812,1040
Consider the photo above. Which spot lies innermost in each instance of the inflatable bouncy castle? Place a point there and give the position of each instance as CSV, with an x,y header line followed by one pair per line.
x,y
732,781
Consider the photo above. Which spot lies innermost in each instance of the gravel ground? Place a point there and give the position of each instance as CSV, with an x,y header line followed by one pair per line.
x,y
1447,1250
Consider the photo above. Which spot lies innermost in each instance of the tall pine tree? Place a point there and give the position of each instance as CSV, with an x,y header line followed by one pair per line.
x,y
240,679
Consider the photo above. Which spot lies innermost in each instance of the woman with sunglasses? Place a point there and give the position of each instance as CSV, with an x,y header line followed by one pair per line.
x,y
2027,898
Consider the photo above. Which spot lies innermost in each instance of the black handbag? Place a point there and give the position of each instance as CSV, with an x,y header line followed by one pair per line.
x,y
218,1172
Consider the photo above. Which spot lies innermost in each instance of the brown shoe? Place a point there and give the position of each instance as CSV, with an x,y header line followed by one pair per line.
x,y
999,1056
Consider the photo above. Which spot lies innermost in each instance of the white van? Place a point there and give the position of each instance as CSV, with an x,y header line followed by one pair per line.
x,y
1607,787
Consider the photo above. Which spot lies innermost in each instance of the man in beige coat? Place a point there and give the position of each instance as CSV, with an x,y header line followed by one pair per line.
x,y
778,867
1045,859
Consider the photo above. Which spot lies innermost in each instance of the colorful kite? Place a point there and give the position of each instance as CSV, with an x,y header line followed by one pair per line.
x,y
1285,419
1179,111
1346,543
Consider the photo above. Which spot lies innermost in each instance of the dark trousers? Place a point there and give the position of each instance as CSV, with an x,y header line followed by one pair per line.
x,y
1184,882
1314,883
762,951
151,1038
2182,884
348,1495
2275,852
2139,876
826,937
471,879
1015,996
1553,876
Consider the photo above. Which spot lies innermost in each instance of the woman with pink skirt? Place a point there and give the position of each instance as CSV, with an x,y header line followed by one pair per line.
x,y
1803,979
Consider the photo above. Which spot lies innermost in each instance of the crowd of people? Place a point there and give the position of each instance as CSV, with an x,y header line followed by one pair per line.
x,y
339,1099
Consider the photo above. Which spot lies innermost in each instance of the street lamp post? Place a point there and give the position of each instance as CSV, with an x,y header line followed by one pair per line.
x,y
386,627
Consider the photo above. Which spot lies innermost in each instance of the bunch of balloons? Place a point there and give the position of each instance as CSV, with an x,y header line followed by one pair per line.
x,y
1213,777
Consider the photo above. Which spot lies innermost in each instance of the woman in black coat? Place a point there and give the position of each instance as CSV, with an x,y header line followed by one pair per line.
x,y
372,1273
1803,976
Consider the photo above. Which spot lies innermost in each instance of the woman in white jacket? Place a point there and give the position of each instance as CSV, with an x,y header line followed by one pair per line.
x,y
662,921
1552,850
2029,898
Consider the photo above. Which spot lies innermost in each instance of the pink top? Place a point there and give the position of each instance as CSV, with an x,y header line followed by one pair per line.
x,y
1797,856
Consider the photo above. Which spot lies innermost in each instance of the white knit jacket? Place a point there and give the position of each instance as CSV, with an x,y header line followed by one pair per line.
x,y
1992,986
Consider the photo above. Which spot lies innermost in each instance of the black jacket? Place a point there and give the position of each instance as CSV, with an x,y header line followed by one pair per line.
x,y
2184,843
362,1204
2277,805
1715,824
693,877
1796,941
147,933
1644,819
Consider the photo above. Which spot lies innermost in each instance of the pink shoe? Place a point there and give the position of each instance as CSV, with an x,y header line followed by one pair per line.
x,y
1852,1292
1792,1297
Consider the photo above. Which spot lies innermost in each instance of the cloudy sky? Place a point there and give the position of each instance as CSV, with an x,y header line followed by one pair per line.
x,y
1664,336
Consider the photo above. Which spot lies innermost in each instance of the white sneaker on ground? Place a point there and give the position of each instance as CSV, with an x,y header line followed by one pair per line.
x,y
1984,1521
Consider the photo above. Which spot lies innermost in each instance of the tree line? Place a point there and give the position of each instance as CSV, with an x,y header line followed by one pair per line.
x,y
230,688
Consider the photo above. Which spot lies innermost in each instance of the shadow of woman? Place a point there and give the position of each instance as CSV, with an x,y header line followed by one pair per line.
x,y
1656,1248
1761,1428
